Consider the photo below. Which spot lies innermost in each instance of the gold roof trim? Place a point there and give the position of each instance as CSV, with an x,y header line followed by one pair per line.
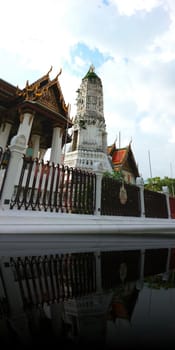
x,y
35,90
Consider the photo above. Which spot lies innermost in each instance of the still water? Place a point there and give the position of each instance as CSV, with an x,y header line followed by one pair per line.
x,y
120,299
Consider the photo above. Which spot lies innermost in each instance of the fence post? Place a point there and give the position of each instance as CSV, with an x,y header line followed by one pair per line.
x,y
17,148
140,184
140,282
18,318
99,170
165,190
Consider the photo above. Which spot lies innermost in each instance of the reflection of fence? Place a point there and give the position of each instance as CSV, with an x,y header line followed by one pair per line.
x,y
54,278
4,162
54,187
155,261
116,266
4,305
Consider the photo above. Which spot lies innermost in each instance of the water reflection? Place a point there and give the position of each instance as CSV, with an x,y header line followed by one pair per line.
x,y
122,299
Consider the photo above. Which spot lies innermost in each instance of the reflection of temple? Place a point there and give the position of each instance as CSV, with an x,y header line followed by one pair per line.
x,y
124,301
74,296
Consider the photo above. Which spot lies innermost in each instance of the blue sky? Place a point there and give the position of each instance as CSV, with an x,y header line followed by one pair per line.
x,y
131,43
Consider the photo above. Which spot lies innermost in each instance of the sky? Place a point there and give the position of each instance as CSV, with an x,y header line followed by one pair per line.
x,y
131,43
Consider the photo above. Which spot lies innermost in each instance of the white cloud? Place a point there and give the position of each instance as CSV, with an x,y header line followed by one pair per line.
x,y
137,36
129,8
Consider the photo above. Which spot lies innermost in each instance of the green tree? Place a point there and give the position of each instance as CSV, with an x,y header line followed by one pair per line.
x,y
156,184
117,175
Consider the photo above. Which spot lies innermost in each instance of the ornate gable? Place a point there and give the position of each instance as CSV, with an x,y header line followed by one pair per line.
x,y
47,93
49,100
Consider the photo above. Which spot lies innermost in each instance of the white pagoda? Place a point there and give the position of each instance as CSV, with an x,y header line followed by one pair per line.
x,y
89,139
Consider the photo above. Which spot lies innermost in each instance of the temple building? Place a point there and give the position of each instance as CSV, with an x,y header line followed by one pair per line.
x,y
123,161
38,113
89,139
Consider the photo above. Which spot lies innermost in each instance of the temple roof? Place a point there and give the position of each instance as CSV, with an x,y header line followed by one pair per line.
x,y
40,91
91,73
44,97
7,93
123,307
123,156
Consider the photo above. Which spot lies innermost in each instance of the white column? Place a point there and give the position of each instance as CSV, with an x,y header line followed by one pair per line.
x,y
140,183
166,192
26,121
55,155
35,143
4,134
17,148
98,168
42,153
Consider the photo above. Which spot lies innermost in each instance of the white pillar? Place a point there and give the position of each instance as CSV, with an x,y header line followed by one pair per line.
x,y
35,143
26,121
17,148
166,192
42,153
140,183
98,168
55,155
4,134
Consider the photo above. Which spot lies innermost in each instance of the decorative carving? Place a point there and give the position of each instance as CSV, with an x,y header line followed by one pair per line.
x,y
123,195
43,93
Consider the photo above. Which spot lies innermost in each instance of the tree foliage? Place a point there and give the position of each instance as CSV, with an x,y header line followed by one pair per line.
x,y
156,184
117,175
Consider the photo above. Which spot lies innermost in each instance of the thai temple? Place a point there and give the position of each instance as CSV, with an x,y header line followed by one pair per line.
x,y
39,113
75,245
123,161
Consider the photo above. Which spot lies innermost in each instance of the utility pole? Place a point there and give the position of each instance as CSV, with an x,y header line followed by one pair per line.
x,y
171,174
150,164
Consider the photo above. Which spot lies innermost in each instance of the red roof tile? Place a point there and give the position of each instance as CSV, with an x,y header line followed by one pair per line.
x,y
118,156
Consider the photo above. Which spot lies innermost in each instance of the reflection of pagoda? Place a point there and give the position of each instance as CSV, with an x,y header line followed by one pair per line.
x,y
85,318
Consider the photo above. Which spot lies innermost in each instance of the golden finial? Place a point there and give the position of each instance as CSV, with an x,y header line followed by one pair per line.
x,y
92,68
50,70
58,74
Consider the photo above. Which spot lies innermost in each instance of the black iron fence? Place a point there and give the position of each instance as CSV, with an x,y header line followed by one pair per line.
x,y
155,204
119,199
45,186
59,188
4,162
